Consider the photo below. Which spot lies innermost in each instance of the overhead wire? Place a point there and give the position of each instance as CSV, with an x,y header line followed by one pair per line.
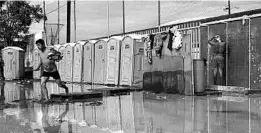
x,y
56,9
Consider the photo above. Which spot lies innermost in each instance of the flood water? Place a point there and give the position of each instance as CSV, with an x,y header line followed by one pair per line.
x,y
138,112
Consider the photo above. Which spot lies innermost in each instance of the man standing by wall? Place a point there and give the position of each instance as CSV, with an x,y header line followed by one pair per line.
x,y
218,57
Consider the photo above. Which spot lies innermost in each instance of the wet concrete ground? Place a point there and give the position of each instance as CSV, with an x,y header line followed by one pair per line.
x,y
138,112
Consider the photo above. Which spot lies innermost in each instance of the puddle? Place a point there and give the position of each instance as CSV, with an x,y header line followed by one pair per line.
x,y
137,112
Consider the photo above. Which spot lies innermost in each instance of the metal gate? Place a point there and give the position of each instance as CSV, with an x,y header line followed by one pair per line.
x,y
243,59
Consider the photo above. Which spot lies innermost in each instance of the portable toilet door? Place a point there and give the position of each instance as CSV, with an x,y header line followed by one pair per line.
x,y
88,61
77,61
61,64
69,61
36,61
100,61
127,70
113,55
13,58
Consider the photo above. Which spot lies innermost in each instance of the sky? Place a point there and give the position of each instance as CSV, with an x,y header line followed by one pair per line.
x,y
92,16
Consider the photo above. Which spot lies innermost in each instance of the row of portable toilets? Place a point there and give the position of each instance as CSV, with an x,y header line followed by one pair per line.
x,y
105,61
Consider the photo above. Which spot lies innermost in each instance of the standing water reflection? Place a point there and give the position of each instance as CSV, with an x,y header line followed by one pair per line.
x,y
137,112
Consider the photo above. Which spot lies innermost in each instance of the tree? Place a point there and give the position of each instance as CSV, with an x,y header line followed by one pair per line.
x,y
15,20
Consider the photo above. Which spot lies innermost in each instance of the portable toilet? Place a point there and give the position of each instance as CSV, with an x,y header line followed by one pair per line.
x,y
61,64
132,51
36,61
113,60
100,61
13,58
68,57
88,59
77,61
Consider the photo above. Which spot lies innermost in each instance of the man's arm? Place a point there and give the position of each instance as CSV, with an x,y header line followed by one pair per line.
x,y
212,41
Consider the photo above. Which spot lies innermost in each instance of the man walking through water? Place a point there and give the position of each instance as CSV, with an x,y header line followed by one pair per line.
x,y
47,62
217,62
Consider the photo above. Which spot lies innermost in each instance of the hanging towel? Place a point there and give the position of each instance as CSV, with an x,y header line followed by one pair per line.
x,y
177,38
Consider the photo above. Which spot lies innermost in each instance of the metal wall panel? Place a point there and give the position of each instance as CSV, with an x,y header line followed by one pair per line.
x,y
255,53
238,55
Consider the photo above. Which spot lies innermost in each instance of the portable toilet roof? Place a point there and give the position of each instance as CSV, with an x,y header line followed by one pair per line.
x,y
93,41
58,45
116,37
104,39
71,44
13,47
82,42
134,36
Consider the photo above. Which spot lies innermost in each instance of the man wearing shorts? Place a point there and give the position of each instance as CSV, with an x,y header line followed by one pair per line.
x,y
218,60
49,67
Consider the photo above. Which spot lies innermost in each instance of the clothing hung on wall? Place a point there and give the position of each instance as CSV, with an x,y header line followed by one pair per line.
x,y
170,41
177,38
148,47
158,43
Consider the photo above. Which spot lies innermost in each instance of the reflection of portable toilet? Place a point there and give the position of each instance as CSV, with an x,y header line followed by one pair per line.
x,y
78,113
13,58
61,64
100,61
113,60
37,90
88,59
8,93
127,113
77,61
68,57
89,115
138,109
114,113
101,115
36,61
131,60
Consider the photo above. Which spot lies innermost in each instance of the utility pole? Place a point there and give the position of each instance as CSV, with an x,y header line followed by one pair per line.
x,y
44,24
108,18
229,8
123,17
58,28
74,8
159,14
68,21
